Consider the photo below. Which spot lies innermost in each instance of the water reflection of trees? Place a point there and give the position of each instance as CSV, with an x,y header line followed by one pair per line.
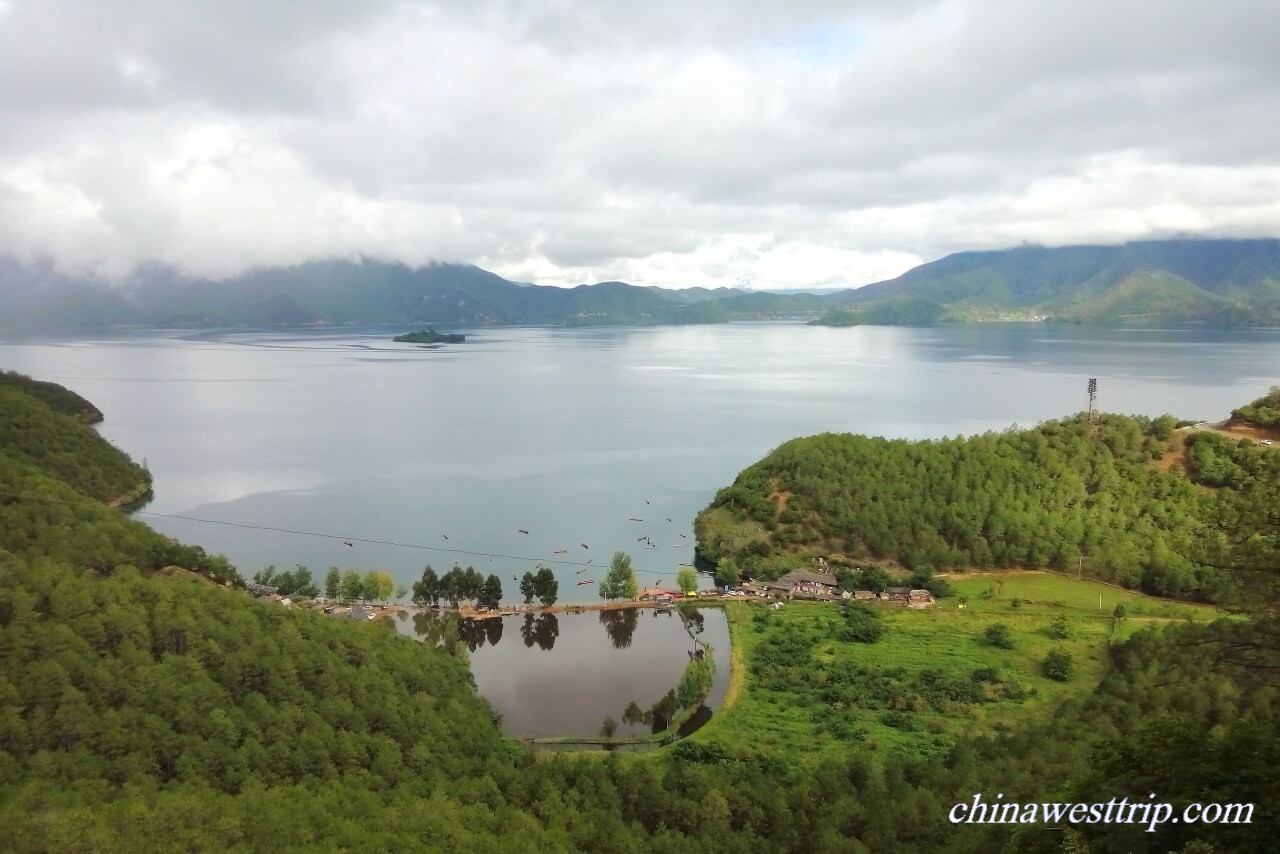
x,y
437,628
448,630
472,633
694,622
541,630
493,630
620,625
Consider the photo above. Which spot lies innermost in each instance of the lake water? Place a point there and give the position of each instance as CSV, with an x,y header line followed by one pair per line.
x,y
569,434
563,674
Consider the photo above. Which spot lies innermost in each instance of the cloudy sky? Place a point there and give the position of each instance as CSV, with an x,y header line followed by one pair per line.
x,y
673,142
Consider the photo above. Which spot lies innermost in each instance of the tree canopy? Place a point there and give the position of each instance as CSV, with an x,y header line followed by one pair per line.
x,y
1120,498
620,581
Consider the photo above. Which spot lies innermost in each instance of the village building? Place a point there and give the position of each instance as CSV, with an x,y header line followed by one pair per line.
x,y
655,594
803,584
896,595
919,599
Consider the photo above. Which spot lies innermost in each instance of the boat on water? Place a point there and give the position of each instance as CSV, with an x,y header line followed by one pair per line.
x,y
561,551
586,581
584,569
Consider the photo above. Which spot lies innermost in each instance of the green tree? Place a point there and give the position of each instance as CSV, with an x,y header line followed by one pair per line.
x,y
998,634
1060,628
620,581
333,582
727,573
1059,665
427,590
609,727
528,587
687,581
491,593
378,584
546,586
352,586
875,579
1119,612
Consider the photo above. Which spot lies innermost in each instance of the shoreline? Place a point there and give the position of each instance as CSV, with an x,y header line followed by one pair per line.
x,y
520,610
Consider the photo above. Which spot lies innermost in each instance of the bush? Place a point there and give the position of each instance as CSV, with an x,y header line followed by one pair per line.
x,y
998,634
862,625
1059,665
987,674
1060,628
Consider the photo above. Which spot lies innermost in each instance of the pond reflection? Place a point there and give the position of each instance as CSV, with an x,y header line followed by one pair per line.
x,y
620,625
564,676
542,630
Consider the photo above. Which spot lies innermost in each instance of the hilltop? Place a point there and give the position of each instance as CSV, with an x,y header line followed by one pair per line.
x,y
1129,500
1216,282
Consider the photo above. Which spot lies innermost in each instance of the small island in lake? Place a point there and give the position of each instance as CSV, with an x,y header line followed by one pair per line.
x,y
430,336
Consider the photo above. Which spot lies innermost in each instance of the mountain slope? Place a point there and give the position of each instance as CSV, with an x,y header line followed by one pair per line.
x,y
1224,281
1221,282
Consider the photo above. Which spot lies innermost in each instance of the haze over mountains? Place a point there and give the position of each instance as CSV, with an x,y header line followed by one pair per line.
x,y
1216,282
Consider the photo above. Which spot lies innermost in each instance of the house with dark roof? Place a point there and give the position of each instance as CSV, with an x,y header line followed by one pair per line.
x,y
896,595
803,584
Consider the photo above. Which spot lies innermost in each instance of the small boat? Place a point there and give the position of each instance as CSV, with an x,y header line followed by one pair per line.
x,y
560,551
522,530
584,569
634,519
585,581
585,546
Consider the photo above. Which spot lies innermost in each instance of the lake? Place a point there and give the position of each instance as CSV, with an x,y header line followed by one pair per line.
x,y
434,455
563,674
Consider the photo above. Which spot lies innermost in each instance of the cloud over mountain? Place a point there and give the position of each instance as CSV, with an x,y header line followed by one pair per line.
x,y
775,145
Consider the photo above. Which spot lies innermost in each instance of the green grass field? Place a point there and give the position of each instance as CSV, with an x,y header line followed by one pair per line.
x,y
947,640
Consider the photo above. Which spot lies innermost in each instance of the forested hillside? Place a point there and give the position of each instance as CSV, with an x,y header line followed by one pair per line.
x,y
58,398
1123,499
1263,412
1219,282
147,707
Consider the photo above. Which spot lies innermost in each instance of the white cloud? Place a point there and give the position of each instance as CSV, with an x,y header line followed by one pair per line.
x,y
779,145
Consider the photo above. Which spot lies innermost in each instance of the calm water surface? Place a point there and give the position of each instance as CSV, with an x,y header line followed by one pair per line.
x,y
563,674
570,433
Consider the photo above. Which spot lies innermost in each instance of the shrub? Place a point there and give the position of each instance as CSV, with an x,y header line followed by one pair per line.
x,y
1059,665
998,634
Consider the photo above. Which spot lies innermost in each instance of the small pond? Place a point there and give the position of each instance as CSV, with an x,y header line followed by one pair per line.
x,y
562,674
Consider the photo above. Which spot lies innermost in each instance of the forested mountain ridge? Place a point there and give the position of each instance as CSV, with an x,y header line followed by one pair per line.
x,y
1222,282
1218,282
1070,494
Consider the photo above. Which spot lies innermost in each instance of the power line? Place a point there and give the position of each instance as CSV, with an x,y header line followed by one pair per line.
x,y
343,538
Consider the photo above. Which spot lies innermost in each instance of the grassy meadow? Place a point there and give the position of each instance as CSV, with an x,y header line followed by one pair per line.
x,y
931,677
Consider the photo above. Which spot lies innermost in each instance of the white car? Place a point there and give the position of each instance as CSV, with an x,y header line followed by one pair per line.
x,y
1266,442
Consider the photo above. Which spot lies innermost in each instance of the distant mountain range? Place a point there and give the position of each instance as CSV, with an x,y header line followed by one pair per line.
x,y
1217,282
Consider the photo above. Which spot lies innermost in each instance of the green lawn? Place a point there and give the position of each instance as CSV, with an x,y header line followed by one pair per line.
x,y
794,718
995,590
